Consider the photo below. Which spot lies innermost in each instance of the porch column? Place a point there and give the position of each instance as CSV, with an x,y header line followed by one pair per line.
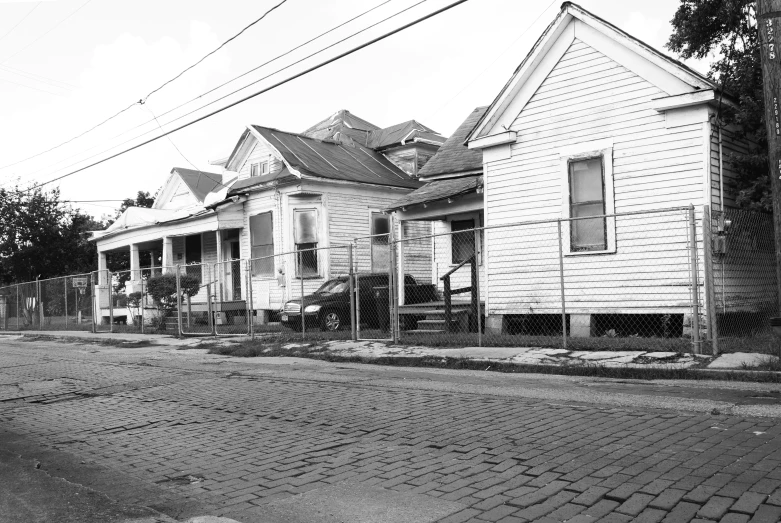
x,y
219,274
102,266
168,254
152,258
135,263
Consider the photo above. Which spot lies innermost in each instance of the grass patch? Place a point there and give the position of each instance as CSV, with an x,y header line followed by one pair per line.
x,y
757,344
107,342
767,363
274,348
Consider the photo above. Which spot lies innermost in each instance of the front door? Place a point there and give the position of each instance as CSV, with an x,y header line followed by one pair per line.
x,y
235,271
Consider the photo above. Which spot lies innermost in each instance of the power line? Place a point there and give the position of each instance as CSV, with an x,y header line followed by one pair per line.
x,y
213,89
141,101
20,21
30,87
258,93
226,42
38,78
480,75
55,26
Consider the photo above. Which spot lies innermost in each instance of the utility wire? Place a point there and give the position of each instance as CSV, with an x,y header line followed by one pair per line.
x,y
182,154
258,93
226,42
55,26
482,73
20,21
140,101
219,86
38,78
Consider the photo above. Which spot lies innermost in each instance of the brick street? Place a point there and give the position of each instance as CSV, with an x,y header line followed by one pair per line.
x,y
268,441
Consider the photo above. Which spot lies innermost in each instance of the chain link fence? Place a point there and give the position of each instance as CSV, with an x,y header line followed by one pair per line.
x,y
676,279
743,280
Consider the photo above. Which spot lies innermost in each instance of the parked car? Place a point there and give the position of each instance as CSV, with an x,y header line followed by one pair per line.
x,y
329,306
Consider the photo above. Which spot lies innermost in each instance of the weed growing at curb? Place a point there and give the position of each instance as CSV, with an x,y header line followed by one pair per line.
x,y
261,348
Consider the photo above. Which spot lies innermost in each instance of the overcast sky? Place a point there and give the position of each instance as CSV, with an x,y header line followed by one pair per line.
x,y
66,65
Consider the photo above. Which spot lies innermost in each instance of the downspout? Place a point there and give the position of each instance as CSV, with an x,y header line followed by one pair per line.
x,y
721,173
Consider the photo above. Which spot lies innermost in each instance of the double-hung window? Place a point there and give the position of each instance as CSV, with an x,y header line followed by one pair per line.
x,y
261,228
380,229
259,168
305,237
587,200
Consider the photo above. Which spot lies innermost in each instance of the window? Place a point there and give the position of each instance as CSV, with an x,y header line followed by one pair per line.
x,y
587,190
192,255
587,198
261,228
305,236
259,168
380,225
462,243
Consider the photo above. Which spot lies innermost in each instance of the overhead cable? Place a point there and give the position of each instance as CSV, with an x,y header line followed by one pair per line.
x,y
20,21
257,93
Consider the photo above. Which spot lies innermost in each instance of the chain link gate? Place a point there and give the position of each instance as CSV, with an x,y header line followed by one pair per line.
x,y
229,300
102,302
373,259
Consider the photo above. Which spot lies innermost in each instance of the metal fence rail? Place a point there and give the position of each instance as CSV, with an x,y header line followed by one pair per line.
x,y
705,278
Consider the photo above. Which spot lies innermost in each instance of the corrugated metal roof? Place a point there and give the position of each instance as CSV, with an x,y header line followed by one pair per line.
x,y
455,157
335,161
200,183
439,190
339,125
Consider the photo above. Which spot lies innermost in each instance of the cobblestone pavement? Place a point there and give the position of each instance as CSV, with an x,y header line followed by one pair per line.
x,y
247,443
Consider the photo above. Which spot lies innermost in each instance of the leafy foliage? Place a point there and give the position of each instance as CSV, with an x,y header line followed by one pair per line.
x,y
728,28
162,288
43,237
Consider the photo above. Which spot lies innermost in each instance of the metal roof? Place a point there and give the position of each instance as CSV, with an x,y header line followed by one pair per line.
x,y
403,131
335,161
200,183
254,182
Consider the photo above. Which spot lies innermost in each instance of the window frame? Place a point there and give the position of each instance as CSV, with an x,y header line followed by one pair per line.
x,y
318,271
377,242
272,261
588,151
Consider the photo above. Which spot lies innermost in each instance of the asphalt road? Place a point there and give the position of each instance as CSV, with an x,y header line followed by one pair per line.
x,y
93,433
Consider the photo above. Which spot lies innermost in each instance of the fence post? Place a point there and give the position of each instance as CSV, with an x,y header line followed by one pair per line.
x,y
695,321
301,275
393,288
353,312
65,286
110,301
250,301
38,302
210,319
141,303
94,301
561,284
178,300
476,290
17,307
710,293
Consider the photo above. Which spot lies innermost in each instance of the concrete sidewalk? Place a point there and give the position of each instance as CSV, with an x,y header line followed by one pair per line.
x,y
377,349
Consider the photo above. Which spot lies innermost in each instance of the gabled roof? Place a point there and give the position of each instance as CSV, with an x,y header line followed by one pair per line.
x,y
335,161
248,184
342,126
404,131
438,190
454,157
200,183
637,56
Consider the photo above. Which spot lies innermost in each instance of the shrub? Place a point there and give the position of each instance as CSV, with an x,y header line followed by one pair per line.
x,y
162,288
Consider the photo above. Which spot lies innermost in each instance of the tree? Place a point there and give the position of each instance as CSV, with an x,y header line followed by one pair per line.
x,y
143,199
43,237
729,29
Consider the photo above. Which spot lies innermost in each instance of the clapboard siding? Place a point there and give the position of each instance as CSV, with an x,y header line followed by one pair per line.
x,y
260,153
588,97
731,144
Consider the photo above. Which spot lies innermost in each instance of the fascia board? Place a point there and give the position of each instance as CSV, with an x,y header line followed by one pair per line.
x,y
645,51
535,56
494,139
666,103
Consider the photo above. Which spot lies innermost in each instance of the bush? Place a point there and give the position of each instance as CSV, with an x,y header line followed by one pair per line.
x,y
162,288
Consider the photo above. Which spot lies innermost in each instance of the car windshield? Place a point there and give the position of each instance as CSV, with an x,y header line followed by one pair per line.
x,y
332,287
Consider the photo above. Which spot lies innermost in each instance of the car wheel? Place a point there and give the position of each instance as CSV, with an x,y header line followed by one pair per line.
x,y
331,321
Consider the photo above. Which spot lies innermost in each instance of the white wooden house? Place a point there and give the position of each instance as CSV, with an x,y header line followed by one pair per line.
x,y
279,192
593,122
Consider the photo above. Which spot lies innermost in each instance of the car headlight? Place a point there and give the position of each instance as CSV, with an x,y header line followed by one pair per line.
x,y
312,308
